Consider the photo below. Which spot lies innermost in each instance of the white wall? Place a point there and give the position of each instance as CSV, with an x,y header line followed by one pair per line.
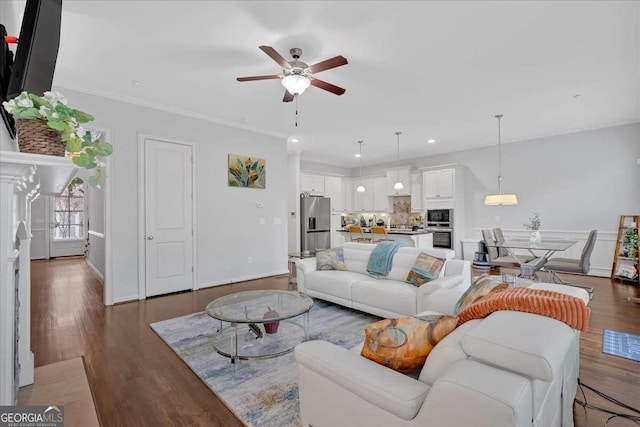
x,y
294,202
228,229
94,209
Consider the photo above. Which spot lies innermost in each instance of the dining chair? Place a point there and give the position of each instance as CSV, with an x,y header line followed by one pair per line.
x,y
570,265
380,232
494,257
357,234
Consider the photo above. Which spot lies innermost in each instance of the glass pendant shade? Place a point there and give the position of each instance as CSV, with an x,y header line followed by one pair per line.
x,y
360,188
295,84
398,186
500,199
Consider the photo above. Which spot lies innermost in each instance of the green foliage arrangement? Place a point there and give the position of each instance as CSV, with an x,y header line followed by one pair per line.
x,y
534,223
631,244
87,151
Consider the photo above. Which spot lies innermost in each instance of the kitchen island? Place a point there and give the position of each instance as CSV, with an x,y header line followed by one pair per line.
x,y
418,239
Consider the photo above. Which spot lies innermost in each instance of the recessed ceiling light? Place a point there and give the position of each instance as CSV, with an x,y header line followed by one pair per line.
x,y
295,140
357,154
431,141
135,82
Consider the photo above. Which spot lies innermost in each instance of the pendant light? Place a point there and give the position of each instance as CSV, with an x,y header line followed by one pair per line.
x,y
360,188
398,186
500,199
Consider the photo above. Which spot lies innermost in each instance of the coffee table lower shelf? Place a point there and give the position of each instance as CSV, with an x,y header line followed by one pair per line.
x,y
238,342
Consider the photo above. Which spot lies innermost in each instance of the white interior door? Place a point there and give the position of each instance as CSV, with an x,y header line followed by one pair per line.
x,y
168,217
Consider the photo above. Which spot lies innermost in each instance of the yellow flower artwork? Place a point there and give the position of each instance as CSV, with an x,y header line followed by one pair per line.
x,y
247,172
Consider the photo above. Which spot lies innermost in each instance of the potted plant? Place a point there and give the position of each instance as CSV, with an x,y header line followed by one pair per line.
x,y
631,242
46,125
534,227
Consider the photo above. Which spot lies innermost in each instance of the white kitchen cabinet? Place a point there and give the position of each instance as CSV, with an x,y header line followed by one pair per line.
x,y
438,184
416,191
333,189
380,196
348,189
402,175
363,201
312,183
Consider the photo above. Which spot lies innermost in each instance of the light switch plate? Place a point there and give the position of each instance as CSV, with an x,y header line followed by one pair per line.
x,y
263,221
277,221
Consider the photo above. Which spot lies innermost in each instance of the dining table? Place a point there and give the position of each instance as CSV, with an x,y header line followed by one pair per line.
x,y
541,251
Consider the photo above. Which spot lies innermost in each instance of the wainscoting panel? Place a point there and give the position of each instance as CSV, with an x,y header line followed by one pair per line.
x,y
601,258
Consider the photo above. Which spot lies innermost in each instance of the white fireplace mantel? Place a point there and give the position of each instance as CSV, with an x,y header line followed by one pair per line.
x,y
22,178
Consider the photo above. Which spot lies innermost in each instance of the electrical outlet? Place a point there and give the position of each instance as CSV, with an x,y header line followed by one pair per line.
x,y
496,218
250,260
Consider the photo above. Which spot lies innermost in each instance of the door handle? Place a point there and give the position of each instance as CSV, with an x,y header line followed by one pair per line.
x,y
149,237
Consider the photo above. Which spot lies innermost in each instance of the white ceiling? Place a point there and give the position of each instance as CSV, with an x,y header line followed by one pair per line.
x,y
429,69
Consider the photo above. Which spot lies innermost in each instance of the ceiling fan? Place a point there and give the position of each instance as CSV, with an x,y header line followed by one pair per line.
x,y
296,75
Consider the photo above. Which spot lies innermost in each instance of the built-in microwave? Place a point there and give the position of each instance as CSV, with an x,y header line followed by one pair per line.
x,y
442,217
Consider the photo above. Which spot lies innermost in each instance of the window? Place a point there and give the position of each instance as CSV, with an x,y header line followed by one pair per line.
x,y
69,214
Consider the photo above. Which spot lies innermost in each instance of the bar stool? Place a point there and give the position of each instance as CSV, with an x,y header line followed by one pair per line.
x,y
380,231
357,234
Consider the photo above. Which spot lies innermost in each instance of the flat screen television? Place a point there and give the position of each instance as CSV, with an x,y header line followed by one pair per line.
x,y
37,51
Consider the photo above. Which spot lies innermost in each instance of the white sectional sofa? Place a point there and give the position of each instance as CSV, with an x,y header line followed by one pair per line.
x,y
389,296
509,369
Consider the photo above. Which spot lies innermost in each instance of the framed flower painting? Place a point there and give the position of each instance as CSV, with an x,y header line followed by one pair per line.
x,y
247,172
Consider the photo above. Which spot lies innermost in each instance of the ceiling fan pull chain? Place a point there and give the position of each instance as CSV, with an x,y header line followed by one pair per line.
x,y
296,119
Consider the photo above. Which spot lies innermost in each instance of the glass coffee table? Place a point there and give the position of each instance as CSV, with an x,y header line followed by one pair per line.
x,y
260,324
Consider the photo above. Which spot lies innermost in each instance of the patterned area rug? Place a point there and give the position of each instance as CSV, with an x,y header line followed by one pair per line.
x,y
621,344
262,392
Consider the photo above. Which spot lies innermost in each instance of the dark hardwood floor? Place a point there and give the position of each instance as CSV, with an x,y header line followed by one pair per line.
x,y
137,380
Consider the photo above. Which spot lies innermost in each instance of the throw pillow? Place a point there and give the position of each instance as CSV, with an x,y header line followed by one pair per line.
x,y
404,343
425,269
330,259
482,286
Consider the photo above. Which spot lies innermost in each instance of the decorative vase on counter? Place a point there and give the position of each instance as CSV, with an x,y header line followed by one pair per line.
x,y
535,237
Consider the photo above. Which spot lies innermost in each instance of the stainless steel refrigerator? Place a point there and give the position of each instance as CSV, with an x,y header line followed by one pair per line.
x,y
315,223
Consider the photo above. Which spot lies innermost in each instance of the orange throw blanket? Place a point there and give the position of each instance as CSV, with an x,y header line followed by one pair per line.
x,y
565,308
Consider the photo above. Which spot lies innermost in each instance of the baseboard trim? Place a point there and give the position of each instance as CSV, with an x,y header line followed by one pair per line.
x,y
95,270
128,298
243,279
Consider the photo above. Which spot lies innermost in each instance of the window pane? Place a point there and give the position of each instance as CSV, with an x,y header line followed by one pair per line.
x,y
76,232
62,204
62,218
76,204
77,191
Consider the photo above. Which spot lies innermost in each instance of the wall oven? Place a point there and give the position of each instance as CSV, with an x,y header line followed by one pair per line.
x,y
442,238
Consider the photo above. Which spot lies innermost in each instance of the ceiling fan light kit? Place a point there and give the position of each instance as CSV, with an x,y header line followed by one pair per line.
x,y
398,186
295,84
500,199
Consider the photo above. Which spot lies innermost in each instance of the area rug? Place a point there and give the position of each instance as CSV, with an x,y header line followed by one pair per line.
x,y
262,392
621,344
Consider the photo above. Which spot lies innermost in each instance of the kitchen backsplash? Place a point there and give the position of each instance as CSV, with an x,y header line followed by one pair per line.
x,y
401,215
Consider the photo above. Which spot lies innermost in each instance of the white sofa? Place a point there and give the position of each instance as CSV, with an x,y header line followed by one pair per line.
x,y
509,369
389,296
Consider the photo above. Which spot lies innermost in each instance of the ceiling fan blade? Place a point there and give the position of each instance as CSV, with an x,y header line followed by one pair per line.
x,y
287,96
334,62
248,79
327,86
275,56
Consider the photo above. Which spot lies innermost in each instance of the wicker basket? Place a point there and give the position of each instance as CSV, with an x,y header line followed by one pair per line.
x,y
34,136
